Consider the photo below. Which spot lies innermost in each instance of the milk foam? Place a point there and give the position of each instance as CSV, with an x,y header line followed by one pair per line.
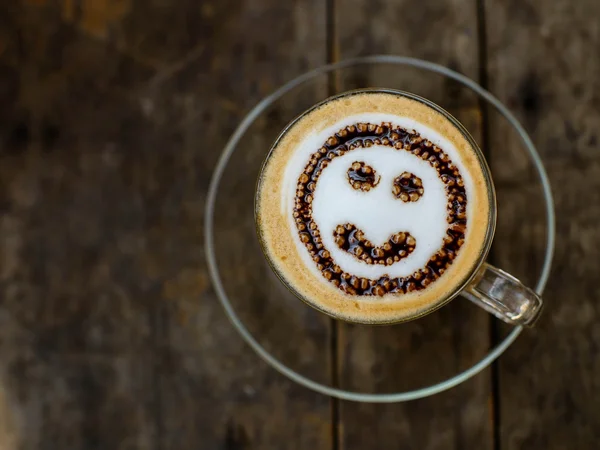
x,y
376,212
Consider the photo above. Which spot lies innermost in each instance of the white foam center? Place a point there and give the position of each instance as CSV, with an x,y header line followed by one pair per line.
x,y
376,212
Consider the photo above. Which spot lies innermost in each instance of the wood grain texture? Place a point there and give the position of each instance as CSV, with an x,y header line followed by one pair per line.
x,y
112,116
546,70
412,355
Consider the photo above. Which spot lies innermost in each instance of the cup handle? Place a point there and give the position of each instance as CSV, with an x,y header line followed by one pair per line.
x,y
504,296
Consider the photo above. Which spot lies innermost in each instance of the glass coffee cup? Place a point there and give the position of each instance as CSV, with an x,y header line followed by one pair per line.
x,y
280,231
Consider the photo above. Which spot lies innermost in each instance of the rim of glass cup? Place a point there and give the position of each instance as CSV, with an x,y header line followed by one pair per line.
x,y
230,147
489,235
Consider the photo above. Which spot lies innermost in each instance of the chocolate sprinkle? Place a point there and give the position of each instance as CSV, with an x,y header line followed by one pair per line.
x,y
362,177
353,241
408,187
364,135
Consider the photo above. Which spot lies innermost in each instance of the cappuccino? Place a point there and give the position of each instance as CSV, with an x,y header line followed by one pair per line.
x,y
374,206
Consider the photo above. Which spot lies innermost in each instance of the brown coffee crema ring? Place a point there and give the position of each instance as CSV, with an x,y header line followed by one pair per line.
x,y
365,135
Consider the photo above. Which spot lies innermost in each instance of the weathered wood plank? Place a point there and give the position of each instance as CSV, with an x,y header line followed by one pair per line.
x,y
112,119
254,48
397,358
546,70
77,363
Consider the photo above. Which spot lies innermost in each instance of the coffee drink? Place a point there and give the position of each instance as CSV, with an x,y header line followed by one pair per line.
x,y
375,206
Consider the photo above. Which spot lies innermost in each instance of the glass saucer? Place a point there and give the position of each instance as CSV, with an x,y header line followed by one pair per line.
x,y
297,340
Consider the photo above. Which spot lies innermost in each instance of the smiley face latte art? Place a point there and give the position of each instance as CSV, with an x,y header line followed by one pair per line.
x,y
374,207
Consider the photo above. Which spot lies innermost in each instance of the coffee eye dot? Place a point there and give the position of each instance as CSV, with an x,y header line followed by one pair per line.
x,y
362,177
407,187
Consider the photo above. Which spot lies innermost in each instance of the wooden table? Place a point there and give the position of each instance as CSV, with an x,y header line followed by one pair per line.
x,y
110,333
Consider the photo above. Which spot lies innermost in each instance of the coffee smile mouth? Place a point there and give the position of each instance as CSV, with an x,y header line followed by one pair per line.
x,y
352,240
